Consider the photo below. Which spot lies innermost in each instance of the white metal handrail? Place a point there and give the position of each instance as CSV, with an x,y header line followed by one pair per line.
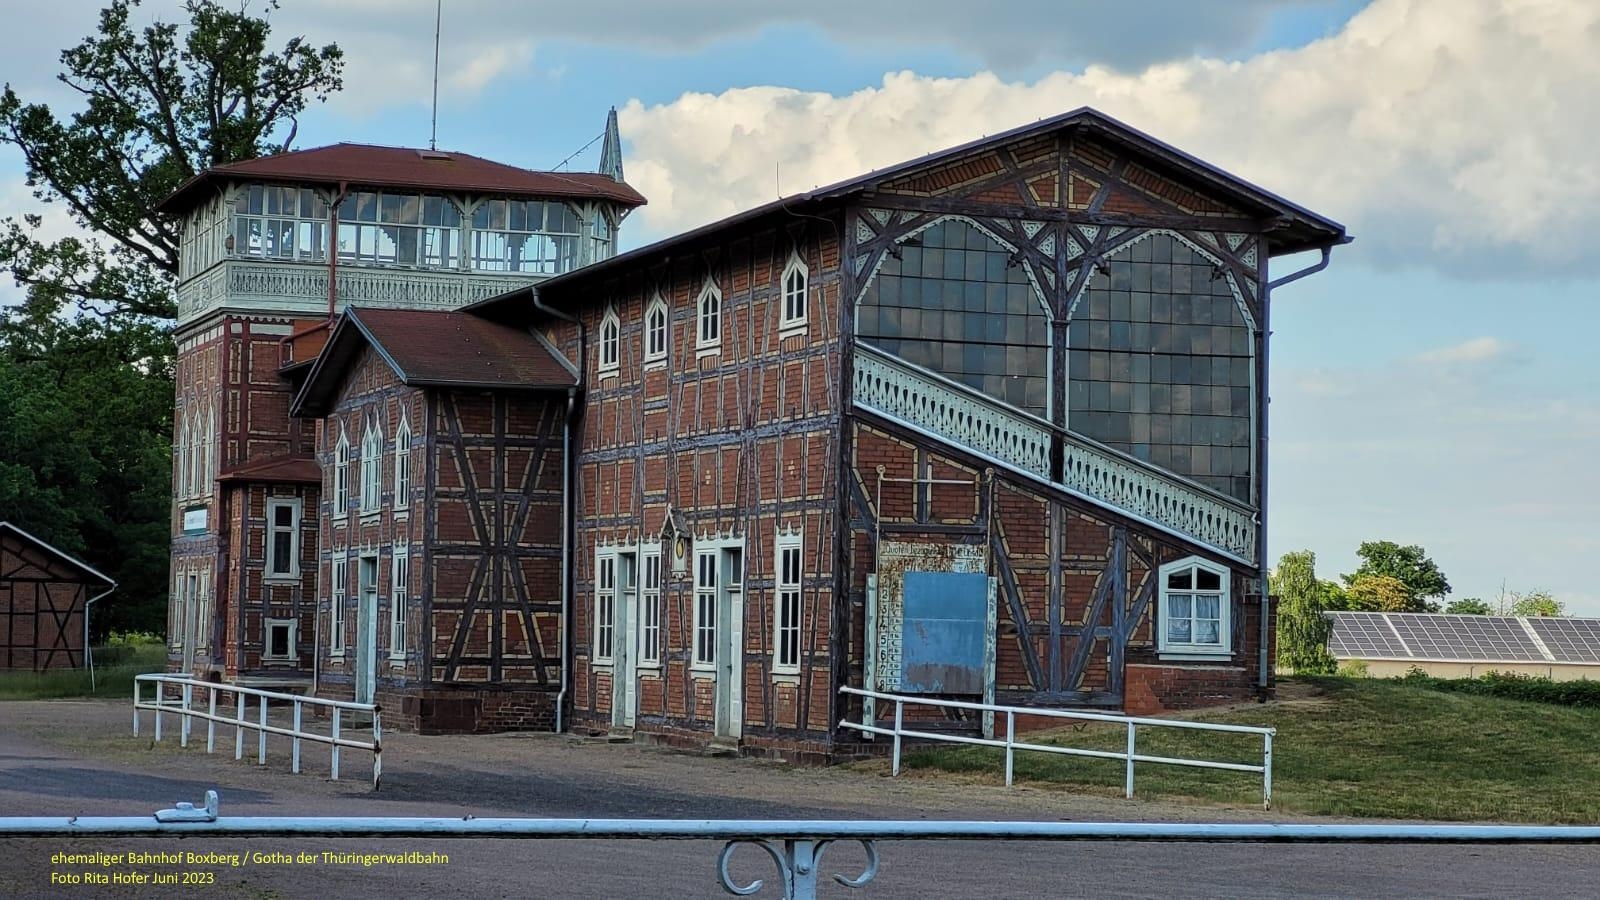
x,y
183,706
1011,744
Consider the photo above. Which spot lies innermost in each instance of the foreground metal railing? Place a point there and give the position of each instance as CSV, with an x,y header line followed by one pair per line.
x,y
1012,745
796,848
182,704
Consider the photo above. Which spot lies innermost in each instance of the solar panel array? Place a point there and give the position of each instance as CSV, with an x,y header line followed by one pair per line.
x,y
1443,636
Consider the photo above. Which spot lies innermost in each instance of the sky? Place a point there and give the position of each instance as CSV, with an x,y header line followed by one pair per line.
x,y
1436,385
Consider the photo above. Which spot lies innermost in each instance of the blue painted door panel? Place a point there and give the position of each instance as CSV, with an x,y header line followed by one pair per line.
x,y
946,615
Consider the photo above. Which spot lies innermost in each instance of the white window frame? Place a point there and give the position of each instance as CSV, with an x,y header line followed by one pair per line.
x,y
788,602
610,355
402,463
703,637
602,650
650,607
1170,649
399,597
202,610
657,324
267,655
339,574
179,606
708,319
273,505
341,475
790,297
371,470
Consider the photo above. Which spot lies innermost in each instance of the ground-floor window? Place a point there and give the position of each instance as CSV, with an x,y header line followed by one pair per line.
x,y
399,599
1194,609
650,610
605,608
705,609
338,571
280,640
786,606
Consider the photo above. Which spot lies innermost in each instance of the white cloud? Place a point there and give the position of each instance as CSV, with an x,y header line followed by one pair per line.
x,y
1453,134
1470,352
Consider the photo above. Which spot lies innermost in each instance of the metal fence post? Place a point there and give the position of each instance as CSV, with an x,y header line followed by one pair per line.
x,y
294,766
161,690
136,684
899,719
335,743
377,750
1131,728
211,723
1011,738
1266,771
261,744
183,731
238,725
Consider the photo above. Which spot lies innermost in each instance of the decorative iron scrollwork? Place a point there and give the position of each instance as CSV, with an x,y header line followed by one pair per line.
x,y
798,862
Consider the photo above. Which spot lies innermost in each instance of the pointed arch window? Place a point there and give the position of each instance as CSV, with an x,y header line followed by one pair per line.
x,y
708,307
197,448
341,474
655,331
796,280
610,343
402,464
371,469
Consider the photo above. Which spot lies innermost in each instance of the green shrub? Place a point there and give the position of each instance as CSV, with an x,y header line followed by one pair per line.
x,y
1531,688
1353,668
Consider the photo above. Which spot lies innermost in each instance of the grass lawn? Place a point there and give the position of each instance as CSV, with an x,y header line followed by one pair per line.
x,y
114,680
1348,747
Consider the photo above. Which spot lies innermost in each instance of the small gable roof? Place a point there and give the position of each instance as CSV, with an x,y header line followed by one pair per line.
x,y
373,166
433,348
1301,228
8,529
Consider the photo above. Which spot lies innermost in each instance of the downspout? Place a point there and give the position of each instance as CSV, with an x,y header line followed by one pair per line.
x,y
1265,636
88,655
569,473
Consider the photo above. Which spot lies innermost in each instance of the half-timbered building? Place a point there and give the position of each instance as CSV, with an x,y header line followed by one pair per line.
x,y
45,599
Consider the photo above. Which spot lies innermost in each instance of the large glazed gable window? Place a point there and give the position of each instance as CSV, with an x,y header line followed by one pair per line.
x,y
1194,609
948,298
1160,364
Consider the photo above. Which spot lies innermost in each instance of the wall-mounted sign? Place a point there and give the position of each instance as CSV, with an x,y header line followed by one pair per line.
x,y
194,520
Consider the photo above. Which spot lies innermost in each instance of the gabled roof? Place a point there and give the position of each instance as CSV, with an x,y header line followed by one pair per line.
x,y
80,565
1302,229
372,166
433,348
288,470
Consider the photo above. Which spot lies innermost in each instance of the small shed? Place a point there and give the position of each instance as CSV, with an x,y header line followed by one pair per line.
x,y
44,600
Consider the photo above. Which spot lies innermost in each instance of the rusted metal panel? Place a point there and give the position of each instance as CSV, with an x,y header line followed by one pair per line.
x,y
945,624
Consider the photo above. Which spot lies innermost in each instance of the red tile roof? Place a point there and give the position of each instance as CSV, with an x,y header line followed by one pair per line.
x,y
291,470
434,348
369,166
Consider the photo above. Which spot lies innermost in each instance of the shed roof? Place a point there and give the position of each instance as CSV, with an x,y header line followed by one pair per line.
x,y
287,470
6,528
370,165
433,348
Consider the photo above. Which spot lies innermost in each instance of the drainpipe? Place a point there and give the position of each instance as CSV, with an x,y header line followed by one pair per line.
x,y
1262,675
88,655
569,473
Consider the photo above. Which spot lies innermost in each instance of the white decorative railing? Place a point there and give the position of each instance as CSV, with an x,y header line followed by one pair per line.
x,y
954,412
283,285
890,386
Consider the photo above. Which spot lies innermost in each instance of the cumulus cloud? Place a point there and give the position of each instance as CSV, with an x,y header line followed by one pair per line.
x,y
1470,352
1452,134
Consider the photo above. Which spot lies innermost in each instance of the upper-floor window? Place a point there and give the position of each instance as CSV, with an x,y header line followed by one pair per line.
x,y
951,298
280,223
525,236
371,469
341,474
1159,364
1194,609
399,229
283,538
709,317
795,279
599,230
610,343
402,464
655,330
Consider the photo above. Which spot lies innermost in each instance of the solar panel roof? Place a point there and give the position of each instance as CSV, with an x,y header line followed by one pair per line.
x,y
1445,636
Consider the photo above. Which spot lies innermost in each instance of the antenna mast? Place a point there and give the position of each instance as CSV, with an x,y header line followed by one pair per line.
x,y
438,19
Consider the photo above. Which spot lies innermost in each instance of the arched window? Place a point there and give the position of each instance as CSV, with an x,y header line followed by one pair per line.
x,y
402,463
1159,364
950,298
796,277
197,449
709,308
655,330
371,469
341,474
180,454
610,343
212,456
1194,610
